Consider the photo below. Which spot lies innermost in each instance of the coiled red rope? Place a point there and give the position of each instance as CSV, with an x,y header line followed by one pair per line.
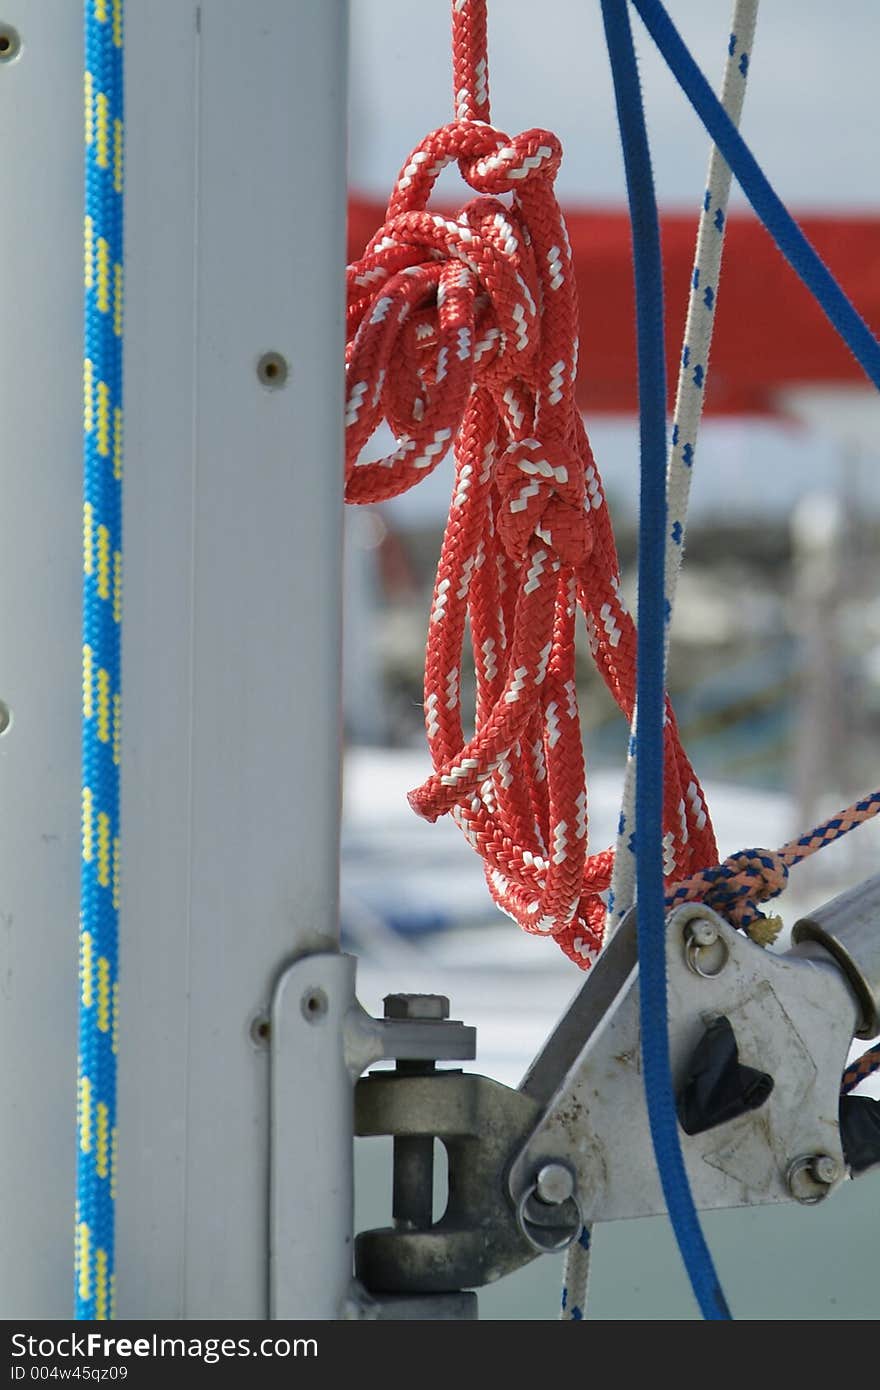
x,y
462,332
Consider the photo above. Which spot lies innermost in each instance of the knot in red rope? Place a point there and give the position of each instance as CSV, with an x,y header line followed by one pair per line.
x,y
462,331
541,492
509,165
439,305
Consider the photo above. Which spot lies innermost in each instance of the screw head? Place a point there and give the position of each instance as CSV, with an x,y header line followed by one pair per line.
x,y
272,370
10,43
554,1183
426,1006
260,1030
314,1005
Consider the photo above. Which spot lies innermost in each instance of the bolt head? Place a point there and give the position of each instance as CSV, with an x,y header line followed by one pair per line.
x,y
811,1176
554,1183
426,1006
825,1169
702,932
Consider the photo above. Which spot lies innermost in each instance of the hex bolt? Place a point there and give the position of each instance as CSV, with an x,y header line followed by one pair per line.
x,y
554,1183
429,1006
412,1201
412,1195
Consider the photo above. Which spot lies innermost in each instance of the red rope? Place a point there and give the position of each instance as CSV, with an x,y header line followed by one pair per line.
x,y
470,61
463,332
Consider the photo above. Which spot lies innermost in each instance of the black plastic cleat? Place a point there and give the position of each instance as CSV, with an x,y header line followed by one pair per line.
x,y
718,1087
860,1131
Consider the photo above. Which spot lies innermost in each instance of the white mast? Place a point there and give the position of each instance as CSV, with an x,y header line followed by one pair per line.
x,y
40,650
235,221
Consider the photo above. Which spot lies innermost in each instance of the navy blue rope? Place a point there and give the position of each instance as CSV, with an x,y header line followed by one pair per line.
x,y
650,676
779,222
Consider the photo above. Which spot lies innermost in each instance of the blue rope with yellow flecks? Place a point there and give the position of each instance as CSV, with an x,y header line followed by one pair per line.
x,y
102,599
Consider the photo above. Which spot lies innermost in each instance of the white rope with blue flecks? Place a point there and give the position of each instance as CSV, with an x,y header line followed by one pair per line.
x,y
689,402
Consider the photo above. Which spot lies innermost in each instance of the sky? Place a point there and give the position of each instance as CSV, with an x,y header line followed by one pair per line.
x,y
811,118
811,113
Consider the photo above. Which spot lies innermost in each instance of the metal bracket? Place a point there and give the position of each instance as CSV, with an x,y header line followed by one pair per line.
x,y
528,1167
482,1124
794,1016
362,1306
321,1039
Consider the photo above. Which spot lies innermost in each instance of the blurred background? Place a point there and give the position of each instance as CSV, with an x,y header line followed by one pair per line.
x,y
775,658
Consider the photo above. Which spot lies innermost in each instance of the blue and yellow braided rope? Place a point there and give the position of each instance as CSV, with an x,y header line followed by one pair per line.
x,y
102,604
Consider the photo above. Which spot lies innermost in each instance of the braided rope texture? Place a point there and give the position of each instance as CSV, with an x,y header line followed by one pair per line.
x,y
860,1070
653,1002
102,598
462,332
735,887
690,398
689,402
576,1279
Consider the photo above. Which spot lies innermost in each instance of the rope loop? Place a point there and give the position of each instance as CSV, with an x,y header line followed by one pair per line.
x,y
541,493
439,306
533,157
735,887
